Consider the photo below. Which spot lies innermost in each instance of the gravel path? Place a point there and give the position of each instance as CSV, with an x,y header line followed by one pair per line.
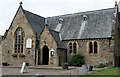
x,y
41,71
44,70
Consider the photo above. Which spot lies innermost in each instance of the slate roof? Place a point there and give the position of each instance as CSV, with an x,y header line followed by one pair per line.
x,y
97,25
37,22
55,35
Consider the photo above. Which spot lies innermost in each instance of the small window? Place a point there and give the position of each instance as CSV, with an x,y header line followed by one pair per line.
x,y
70,48
74,48
90,47
95,47
60,20
85,17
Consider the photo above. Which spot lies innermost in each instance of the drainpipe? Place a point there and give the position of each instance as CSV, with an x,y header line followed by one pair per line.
x,y
36,48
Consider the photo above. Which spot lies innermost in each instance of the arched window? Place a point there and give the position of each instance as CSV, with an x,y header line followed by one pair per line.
x,y
95,47
70,48
90,47
19,40
74,47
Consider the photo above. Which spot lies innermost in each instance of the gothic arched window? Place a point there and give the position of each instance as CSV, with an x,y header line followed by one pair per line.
x,y
70,48
74,47
90,47
95,47
19,40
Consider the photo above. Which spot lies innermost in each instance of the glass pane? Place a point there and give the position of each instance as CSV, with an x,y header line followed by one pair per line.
x,y
15,40
19,32
95,47
21,48
90,48
18,48
23,34
74,46
22,39
19,39
15,48
70,48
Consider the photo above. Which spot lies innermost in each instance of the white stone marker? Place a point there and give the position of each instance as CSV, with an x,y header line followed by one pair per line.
x,y
84,69
24,67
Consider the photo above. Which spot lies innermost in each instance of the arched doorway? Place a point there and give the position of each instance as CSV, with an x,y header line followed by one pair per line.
x,y
45,55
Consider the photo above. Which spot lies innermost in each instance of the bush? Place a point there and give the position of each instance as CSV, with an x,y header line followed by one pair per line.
x,y
65,64
100,66
27,64
76,60
5,64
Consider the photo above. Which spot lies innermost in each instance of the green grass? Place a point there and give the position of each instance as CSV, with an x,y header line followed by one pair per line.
x,y
108,71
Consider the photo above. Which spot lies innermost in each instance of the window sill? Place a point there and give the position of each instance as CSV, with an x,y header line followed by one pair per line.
x,y
18,54
93,54
14,55
72,53
21,55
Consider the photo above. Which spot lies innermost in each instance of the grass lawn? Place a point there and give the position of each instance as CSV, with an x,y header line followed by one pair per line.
x,y
108,71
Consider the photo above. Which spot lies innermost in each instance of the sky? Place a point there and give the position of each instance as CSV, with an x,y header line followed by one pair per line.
x,y
48,8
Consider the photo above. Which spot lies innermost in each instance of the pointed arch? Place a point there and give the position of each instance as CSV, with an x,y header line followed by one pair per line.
x,y
90,47
70,47
74,47
95,47
19,40
45,54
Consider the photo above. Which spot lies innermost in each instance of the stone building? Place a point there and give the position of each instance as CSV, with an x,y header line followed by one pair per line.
x,y
53,40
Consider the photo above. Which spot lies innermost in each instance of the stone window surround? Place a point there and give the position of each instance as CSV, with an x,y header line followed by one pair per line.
x,y
90,47
72,46
14,41
93,41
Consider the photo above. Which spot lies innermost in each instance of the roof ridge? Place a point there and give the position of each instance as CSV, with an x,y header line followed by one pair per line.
x,y
82,12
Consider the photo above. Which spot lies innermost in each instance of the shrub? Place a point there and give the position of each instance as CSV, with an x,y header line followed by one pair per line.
x,y
5,64
76,60
100,66
27,64
65,64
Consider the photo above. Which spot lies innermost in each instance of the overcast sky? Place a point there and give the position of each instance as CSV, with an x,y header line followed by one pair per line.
x,y
48,8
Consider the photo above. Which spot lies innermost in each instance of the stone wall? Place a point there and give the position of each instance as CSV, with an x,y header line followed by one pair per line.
x,y
62,57
47,39
8,42
104,54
